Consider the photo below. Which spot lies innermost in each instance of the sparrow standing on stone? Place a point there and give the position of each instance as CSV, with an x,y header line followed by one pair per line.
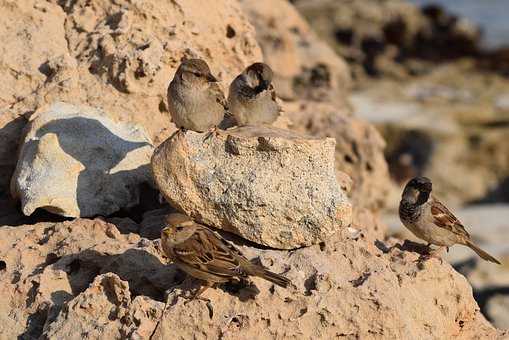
x,y
205,255
252,98
196,102
431,221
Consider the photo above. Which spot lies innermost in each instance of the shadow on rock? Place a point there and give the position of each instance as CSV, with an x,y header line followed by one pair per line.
x,y
101,155
144,272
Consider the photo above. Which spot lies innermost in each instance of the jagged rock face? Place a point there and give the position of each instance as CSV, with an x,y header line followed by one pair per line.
x,y
106,310
75,161
64,280
119,56
270,186
304,66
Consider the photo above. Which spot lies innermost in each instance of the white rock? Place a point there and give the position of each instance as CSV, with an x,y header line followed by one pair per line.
x,y
75,161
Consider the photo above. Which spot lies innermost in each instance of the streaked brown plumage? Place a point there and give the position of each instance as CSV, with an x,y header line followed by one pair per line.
x,y
205,255
430,220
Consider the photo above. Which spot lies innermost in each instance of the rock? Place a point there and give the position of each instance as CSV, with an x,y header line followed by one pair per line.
x,y
75,161
359,149
47,265
106,310
106,54
359,156
391,37
373,295
304,66
273,187
64,280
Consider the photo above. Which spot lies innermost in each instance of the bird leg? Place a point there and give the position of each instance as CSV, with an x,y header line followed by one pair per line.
x,y
196,295
431,254
214,131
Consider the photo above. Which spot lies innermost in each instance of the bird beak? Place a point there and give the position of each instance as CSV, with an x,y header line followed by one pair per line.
x,y
211,78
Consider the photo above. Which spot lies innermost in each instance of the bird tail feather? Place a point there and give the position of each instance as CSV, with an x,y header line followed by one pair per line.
x,y
275,278
481,252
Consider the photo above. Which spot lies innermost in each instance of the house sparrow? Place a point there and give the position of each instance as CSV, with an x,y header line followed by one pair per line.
x,y
205,255
196,102
252,99
431,221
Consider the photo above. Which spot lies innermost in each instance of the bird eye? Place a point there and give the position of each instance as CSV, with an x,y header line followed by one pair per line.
x,y
197,74
180,228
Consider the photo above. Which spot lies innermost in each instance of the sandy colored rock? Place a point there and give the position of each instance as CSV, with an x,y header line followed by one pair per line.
x,y
75,161
343,288
46,265
63,280
273,187
359,148
118,56
304,66
106,310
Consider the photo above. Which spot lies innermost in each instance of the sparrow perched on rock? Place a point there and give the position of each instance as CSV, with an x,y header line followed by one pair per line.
x,y
431,221
252,98
205,255
196,102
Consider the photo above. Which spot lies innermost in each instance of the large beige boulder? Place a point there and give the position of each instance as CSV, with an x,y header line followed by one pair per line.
x,y
64,280
75,161
271,186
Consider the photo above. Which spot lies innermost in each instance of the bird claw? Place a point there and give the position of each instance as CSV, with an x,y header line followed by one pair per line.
x,y
212,132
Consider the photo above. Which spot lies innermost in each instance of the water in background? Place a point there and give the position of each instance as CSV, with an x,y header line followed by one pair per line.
x,y
490,15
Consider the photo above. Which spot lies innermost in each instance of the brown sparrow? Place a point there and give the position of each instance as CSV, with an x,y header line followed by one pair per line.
x,y
205,255
252,98
431,221
195,100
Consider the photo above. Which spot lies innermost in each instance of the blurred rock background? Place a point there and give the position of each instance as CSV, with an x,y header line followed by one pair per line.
x,y
433,78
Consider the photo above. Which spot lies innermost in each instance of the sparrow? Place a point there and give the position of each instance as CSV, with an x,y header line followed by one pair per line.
x,y
205,255
195,100
427,218
252,98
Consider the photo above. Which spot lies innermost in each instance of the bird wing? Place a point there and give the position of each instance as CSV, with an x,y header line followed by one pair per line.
x,y
218,94
208,252
443,218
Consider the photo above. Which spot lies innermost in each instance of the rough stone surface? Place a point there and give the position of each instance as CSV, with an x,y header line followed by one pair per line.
x,y
304,66
359,149
270,186
63,280
46,265
115,55
361,168
106,310
75,161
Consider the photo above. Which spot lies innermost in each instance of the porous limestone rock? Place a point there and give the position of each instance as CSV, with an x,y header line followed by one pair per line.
x,y
64,280
271,186
75,161
106,310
